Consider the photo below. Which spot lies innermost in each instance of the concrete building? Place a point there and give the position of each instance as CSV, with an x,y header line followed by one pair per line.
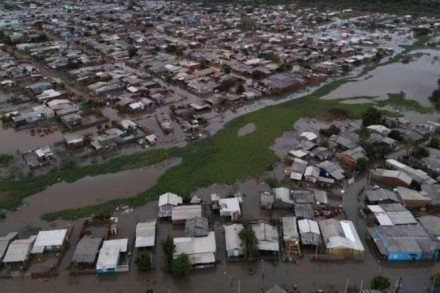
x,y
109,258
229,207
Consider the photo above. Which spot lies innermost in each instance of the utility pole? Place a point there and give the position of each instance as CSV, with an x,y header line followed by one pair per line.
x,y
262,276
362,286
239,286
433,284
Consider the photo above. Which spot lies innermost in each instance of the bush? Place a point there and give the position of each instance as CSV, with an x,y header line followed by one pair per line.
x,y
5,159
181,266
327,132
371,117
396,135
360,165
249,242
434,143
143,262
380,283
168,248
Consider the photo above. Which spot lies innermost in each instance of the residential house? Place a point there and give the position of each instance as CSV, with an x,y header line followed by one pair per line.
x,y
179,214
341,238
233,242
166,202
267,236
50,240
200,250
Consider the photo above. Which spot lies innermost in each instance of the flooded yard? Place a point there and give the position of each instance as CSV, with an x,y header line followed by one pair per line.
x,y
417,79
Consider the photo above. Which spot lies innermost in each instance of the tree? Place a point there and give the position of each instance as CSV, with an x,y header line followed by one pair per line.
x,y
360,165
132,51
240,89
168,248
143,262
396,135
181,266
434,143
380,283
226,85
371,117
249,242
257,74
333,129
363,133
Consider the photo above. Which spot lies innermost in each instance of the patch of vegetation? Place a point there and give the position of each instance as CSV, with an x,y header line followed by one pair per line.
x,y
143,262
380,283
5,159
398,99
371,117
168,249
434,143
182,266
249,242
360,165
327,132
396,135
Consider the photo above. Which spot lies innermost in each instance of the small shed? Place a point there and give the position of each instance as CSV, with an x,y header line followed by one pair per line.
x,y
230,207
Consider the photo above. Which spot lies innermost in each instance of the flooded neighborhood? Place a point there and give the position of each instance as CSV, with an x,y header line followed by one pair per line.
x,y
162,146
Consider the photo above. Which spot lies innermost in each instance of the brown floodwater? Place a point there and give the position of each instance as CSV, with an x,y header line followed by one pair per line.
x,y
417,79
84,192
308,276
12,140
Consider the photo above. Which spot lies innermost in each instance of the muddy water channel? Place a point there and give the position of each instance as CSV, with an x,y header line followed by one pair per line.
x,y
417,79
84,192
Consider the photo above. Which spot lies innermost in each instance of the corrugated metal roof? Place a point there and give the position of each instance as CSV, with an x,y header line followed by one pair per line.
x,y
87,249
145,234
